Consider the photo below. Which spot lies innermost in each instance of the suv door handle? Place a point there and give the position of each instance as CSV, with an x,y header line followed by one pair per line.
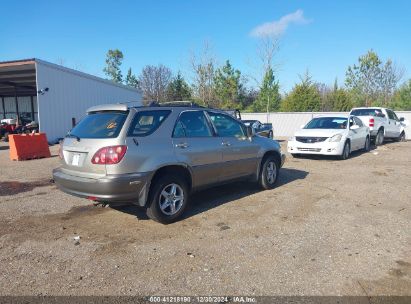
x,y
182,145
226,143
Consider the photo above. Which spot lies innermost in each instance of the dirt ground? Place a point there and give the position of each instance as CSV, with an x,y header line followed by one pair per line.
x,y
329,228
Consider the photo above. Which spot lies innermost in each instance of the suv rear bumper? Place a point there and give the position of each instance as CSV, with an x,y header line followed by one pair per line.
x,y
124,188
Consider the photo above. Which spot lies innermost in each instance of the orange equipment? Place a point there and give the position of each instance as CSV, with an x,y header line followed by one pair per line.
x,y
28,146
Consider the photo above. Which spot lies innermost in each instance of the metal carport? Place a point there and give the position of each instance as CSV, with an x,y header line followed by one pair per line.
x,y
18,91
55,96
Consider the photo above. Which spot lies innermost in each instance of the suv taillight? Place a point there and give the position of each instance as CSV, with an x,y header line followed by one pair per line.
x,y
371,123
109,155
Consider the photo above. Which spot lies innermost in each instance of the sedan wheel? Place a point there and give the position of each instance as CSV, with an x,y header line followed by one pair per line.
x,y
367,144
346,152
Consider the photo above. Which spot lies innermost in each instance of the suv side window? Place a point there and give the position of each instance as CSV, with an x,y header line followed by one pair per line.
x,y
192,124
146,122
227,126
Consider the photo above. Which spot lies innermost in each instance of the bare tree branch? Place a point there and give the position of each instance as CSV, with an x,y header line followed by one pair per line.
x,y
203,66
154,81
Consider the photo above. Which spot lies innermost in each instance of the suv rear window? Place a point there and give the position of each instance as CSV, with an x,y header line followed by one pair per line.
x,y
146,122
367,112
106,124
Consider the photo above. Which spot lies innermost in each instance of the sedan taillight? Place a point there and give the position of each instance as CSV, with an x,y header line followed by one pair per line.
x,y
371,123
109,155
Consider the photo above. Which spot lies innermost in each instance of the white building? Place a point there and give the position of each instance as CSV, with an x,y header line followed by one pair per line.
x,y
55,96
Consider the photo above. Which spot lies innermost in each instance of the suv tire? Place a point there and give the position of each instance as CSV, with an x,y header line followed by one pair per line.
x,y
268,173
168,199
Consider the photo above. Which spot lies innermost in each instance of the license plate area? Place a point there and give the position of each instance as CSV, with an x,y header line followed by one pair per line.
x,y
75,160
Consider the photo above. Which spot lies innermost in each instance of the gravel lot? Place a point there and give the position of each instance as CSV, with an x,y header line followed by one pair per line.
x,y
329,228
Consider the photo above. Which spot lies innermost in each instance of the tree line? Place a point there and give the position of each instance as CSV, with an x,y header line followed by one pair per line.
x,y
369,82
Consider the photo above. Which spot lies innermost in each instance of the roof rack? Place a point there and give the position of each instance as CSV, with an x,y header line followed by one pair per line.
x,y
175,104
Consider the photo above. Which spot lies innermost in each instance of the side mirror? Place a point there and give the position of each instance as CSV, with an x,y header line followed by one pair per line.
x,y
249,131
402,119
354,127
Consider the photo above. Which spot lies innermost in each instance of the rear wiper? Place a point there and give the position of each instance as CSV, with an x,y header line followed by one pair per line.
x,y
73,136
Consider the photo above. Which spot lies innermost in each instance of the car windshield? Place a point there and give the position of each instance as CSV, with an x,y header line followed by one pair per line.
x,y
367,112
327,123
100,125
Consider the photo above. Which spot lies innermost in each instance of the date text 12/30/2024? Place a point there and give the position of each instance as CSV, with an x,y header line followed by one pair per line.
x,y
201,299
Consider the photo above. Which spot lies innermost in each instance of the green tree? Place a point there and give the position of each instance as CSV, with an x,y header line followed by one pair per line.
x,y
340,100
402,97
114,59
363,79
228,86
303,97
248,99
131,79
269,97
390,76
335,98
372,81
178,89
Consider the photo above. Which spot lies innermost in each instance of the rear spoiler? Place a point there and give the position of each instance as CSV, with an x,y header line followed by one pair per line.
x,y
108,107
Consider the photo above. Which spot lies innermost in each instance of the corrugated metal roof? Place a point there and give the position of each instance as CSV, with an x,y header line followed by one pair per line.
x,y
85,75
17,62
18,78
13,78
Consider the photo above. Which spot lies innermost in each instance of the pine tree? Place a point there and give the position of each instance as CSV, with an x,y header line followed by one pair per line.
x,y
228,86
131,79
114,59
269,97
178,89
303,97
